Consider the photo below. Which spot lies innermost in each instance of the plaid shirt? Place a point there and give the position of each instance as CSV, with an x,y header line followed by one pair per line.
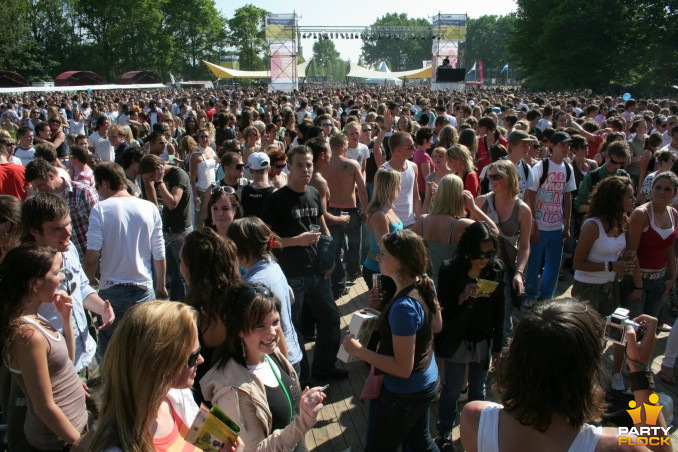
x,y
80,199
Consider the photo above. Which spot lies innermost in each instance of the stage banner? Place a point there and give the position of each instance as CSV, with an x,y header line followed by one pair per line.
x,y
280,27
230,61
280,35
481,75
450,26
447,30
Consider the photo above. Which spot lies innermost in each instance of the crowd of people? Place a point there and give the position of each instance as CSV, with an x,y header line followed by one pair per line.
x,y
254,212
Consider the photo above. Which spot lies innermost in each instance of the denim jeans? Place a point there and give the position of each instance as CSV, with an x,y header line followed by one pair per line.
x,y
396,419
550,244
315,291
175,281
508,307
650,301
349,239
122,297
452,387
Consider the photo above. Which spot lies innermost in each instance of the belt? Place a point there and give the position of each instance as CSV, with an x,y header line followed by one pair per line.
x,y
653,274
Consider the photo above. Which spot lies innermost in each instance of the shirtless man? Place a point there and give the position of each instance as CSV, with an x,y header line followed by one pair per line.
x,y
343,176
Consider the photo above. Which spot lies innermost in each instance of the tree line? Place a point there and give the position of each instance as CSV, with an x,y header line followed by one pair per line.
x,y
550,45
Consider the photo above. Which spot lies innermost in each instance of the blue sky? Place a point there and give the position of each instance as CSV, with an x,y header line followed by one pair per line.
x,y
365,12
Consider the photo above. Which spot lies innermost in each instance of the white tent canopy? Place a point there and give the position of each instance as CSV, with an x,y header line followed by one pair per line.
x,y
53,89
361,72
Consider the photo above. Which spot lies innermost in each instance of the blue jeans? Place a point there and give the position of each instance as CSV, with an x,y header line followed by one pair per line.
x,y
122,297
396,419
550,244
347,238
650,301
316,292
175,281
508,307
452,387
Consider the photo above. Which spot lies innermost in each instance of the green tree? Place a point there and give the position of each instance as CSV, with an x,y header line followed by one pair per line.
x,y
199,33
486,39
248,34
399,54
326,61
20,51
571,44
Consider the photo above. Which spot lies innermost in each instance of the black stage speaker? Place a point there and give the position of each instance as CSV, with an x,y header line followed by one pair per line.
x,y
449,74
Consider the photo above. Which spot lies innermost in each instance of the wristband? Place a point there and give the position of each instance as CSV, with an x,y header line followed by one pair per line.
x,y
520,272
641,380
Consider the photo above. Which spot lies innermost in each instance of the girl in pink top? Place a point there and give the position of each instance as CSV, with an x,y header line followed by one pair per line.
x,y
424,161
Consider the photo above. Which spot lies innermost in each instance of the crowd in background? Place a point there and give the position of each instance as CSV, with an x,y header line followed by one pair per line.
x,y
254,212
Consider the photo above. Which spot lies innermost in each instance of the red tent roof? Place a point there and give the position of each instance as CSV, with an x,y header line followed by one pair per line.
x,y
75,78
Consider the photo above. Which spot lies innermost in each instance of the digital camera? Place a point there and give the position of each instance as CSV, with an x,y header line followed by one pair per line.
x,y
615,327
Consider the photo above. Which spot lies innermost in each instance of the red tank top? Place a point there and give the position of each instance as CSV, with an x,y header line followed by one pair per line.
x,y
652,247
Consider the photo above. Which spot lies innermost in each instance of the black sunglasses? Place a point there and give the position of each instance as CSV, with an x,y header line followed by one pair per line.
x,y
193,358
239,166
247,295
486,255
614,162
494,176
280,166
226,189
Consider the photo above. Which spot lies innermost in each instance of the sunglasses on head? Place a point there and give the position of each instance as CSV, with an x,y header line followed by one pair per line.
x,y
485,255
225,189
247,295
193,358
393,239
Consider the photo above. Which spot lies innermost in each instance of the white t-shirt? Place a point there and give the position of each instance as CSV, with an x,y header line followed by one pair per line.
x,y
104,150
403,205
359,154
130,234
549,198
668,147
25,155
77,127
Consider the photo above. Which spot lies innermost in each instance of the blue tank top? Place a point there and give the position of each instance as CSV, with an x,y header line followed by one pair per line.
x,y
371,260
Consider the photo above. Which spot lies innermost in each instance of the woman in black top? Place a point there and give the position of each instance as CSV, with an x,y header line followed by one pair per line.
x,y
471,293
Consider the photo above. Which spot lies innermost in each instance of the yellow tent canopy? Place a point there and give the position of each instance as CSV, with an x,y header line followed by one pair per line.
x,y
223,72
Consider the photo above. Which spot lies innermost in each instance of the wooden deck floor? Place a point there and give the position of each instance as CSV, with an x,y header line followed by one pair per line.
x,y
342,423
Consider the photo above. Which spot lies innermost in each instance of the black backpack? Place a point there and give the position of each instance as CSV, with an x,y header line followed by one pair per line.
x,y
545,171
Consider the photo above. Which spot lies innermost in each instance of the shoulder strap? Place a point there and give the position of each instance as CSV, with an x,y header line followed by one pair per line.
x,y
454,223
544,171
595,178
526,168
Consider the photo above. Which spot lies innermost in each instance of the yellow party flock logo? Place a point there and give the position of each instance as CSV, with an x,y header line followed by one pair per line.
x,y
648,435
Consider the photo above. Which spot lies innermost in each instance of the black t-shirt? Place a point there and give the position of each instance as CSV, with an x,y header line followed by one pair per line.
x,y
290,213
178,219
253,199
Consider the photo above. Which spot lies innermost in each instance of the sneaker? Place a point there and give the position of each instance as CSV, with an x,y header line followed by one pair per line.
x,y
444,441
617,382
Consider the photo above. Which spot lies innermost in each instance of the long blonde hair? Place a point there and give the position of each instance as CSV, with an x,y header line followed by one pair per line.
x,y
386,189
449,199
461,153
148,351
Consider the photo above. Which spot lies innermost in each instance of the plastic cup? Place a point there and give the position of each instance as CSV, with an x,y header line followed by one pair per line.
x,y
315,228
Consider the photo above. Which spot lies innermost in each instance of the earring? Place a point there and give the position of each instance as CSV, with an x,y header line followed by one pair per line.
x,y
277,339
244,351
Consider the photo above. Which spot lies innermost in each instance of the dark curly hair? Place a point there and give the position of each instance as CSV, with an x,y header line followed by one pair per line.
x,y
559,344
607,202
212,263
